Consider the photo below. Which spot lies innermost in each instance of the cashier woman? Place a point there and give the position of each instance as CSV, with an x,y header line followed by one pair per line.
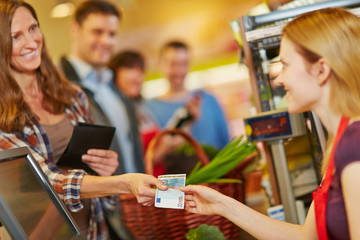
x,y
320,57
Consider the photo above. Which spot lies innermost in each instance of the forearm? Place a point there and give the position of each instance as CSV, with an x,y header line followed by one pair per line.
x,y
95,186
257,224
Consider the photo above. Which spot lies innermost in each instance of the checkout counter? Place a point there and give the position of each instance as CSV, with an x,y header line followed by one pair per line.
x,y
286,136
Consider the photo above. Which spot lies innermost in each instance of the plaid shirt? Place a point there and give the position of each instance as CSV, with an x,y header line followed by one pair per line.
x,y
66,183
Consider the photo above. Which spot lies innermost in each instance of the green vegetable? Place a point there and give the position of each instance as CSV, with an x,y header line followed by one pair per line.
x,y
223,162
188,150
205,232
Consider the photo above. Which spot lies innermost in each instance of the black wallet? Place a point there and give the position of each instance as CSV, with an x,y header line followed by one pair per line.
x,y
85,136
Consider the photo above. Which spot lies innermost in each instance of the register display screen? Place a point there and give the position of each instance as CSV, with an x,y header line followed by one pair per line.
x,y
271,126
37,212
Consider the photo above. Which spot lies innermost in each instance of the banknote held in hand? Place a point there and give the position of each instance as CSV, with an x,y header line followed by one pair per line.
x,y
173,197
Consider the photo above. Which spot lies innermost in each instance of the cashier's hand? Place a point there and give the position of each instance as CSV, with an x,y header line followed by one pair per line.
x,y
202,200
103,162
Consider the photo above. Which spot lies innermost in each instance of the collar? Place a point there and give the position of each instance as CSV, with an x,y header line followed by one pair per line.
x,y
87,73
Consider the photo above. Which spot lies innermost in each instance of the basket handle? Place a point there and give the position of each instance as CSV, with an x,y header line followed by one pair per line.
x,y
149,156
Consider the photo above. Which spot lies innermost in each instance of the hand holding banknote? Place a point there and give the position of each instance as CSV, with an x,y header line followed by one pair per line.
x,y
173,197
141,185
203,200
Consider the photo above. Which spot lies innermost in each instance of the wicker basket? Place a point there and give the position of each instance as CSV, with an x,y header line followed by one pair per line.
x,y
147,223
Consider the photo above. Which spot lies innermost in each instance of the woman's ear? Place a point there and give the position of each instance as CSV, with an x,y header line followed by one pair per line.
x,y
322,70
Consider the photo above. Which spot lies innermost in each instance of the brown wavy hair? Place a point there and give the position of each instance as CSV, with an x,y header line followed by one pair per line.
x,y
57,90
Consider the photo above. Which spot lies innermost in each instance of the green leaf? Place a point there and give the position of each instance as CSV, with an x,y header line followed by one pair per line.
x,y
226,160
223,180
195,169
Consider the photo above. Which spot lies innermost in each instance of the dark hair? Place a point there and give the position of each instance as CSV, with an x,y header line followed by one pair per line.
x,y
57,90
127,59
173,44
95,6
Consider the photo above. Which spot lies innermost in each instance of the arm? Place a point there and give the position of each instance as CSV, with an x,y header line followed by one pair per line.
x,y
204,200
350,180
141,185
75,184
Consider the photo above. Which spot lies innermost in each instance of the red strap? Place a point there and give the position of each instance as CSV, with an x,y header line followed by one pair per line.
x,y
320,196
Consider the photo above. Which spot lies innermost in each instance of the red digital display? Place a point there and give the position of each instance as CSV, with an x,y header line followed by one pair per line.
x,y
270,126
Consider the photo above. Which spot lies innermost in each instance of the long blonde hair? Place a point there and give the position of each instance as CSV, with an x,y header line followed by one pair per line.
x,y
333,34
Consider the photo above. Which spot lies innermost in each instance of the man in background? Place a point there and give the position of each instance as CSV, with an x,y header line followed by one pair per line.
x,y
94,35
210,127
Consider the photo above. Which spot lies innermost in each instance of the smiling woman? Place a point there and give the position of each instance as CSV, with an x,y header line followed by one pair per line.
x,y
320,73
27,41
34,94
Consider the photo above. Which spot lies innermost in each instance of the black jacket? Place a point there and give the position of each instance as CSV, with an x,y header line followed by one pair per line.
x,y
100,118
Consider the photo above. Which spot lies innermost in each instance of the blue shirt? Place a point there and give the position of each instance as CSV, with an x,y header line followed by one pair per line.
x,y
99,83
209,129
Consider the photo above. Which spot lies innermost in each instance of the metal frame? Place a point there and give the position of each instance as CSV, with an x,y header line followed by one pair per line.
x,y
252,22
7,217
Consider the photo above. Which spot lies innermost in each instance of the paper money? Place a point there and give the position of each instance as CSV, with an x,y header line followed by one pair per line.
x,y
173,197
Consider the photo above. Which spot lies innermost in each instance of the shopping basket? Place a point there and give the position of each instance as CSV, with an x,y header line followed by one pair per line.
x,y
151,223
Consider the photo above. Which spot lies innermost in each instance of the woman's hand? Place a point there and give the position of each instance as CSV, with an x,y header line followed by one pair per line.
x,y
202,200
141,185
103,162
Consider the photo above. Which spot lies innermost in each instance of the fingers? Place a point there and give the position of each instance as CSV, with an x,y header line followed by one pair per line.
x,y
102,153
191,207
99,160
104,162
190,188
141,186
194,102
101,169
158,183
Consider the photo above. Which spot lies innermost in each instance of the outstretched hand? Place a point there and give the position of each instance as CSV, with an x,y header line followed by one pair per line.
x,y
103,162
141,185
202,200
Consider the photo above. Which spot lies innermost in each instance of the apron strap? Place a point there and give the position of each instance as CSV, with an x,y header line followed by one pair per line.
x,y
320,196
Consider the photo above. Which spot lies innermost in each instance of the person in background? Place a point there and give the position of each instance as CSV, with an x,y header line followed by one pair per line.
x,y
94,32
320,56
210,128
128,68
94,36
34,94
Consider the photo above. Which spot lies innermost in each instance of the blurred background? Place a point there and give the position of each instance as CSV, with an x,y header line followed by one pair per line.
x,y
148,24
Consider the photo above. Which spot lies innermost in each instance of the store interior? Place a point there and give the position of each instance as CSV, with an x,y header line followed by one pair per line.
x,y
220,65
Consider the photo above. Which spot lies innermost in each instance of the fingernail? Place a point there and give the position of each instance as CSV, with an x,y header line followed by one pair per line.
x,y
163,186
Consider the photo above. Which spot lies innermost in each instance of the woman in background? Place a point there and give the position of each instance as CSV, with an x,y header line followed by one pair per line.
x,y
320,57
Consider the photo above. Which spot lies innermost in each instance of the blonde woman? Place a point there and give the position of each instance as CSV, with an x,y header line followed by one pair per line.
x,y
320,55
